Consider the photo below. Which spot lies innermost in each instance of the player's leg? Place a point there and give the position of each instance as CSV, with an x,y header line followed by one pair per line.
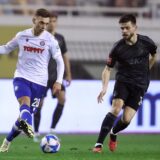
x,y
22,91
37,119
59,109
119,95
108,123
25,118
132,104
121,124
12,134
37,98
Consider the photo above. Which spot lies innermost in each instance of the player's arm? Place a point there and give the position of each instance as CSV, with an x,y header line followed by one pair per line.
x,y
152,60
68,76
56,54
60,73
10,46
111,60
105,80
152,47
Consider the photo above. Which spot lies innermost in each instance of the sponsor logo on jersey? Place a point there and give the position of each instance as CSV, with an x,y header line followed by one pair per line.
x,y
33,49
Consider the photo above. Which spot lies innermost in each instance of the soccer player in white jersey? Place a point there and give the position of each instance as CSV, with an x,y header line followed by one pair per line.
x,y
36,46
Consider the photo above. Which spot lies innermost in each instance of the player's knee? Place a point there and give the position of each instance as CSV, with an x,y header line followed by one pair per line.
x,y
115,111
25,100
126,119
116,106
61,98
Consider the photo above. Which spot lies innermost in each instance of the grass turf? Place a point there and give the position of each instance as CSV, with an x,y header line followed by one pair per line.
x,y
79,147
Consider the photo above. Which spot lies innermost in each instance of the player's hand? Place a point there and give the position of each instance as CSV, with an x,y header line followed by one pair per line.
x,y
56,88
100,96
68,80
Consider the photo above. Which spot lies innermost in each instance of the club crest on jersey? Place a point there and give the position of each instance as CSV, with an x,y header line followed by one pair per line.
x,y
42,43
33,49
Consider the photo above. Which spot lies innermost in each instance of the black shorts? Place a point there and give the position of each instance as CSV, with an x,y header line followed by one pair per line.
x,y
50,86
131,94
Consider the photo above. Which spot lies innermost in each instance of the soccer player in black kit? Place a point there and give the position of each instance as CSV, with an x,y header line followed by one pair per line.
x,y
134,54
52,67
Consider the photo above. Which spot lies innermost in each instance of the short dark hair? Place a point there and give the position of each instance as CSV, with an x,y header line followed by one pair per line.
x,y
42,12
54,14
127,17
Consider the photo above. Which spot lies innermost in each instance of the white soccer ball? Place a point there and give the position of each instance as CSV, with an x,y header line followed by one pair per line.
x,y
50,144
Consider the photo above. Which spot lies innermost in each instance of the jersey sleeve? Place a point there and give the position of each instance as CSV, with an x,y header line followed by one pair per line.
x,y
64,46
111,60
10,46
152,46
56,54
54,48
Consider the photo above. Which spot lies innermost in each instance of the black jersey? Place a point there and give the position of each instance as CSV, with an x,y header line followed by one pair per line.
x,y
133,61
52,66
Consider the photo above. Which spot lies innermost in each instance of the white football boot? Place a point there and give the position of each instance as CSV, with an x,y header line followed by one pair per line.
x,y
5,146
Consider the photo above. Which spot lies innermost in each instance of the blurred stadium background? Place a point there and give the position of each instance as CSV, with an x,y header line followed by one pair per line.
x,y
90,28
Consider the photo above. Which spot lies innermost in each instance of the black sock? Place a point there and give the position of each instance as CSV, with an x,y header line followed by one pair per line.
x,y
106,127
37,118
56,115
120,125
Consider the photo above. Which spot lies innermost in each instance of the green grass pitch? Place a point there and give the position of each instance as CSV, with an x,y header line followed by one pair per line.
x,y
78,147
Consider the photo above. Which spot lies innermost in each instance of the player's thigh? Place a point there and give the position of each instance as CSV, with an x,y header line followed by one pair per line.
x,y
135,97
120,91
120,95
22,91
117,105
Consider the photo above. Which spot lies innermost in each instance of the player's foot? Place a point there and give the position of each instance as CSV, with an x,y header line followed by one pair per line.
x,y
97,148
36,137
27,129
52,131
5,146
112,142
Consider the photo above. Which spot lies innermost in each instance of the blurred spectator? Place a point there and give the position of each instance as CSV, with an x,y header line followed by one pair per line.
x,y
127,3
136,3
23,4
65,2
24,9
2,2
120,3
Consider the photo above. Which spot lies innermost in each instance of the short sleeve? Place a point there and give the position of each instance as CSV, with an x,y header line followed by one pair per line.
x,y
63,46
111,60
152,46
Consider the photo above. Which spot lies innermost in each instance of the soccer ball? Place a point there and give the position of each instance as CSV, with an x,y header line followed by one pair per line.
x,y
50,144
